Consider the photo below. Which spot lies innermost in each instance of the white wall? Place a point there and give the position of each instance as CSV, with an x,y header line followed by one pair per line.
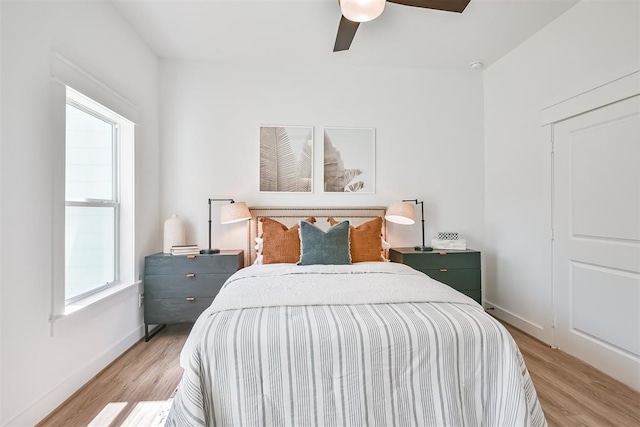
x,y
428,125
592,43
430,128
39,371
1,221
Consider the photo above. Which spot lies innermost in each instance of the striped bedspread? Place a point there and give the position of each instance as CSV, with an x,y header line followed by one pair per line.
x,y
374,344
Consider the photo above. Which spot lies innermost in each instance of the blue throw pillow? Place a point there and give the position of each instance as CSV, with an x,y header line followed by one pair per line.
x,y
318,247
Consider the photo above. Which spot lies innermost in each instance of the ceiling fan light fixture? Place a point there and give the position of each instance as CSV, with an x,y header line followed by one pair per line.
x,y
361,10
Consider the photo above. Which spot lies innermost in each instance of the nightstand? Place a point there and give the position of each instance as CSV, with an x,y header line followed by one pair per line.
x,y
459,269
178,288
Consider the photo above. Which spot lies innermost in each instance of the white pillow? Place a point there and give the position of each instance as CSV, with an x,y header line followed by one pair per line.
x,y
258,247
259,244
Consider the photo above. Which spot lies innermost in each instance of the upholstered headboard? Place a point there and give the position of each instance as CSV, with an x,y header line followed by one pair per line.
x,y
290,216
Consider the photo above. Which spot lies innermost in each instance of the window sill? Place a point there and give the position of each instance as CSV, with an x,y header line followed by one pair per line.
x,y
111,295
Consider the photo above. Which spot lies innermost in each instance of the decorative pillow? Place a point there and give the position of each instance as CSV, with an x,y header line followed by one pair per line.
x,y
365,240
319,247
280,244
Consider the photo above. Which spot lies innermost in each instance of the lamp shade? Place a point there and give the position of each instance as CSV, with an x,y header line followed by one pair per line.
x,y
234,212
361,10
401,213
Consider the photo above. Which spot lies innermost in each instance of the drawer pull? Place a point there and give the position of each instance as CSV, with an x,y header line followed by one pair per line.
x,y
443,270
191,256
191,298
191,275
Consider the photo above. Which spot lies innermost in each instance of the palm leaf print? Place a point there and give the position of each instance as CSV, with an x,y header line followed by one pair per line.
x,y
278,170
304,165
337,179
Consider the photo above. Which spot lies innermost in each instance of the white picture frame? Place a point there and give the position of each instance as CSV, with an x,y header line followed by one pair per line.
x,y
349,160
286,159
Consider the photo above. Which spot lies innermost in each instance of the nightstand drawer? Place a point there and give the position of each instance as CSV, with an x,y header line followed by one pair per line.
x,y
461,279
177,264
435,260
184,285
458,269
174,310
177,288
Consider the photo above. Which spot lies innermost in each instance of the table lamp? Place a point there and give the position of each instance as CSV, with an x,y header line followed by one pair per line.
x,y
404,213
229,213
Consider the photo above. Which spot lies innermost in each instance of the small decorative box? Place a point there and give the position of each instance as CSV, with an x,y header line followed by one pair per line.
x,y
446,235
458,244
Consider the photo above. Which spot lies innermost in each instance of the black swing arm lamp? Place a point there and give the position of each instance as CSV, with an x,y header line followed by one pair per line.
x,y
404,213
230,213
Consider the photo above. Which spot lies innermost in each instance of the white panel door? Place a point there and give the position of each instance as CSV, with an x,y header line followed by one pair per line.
x,y
597,238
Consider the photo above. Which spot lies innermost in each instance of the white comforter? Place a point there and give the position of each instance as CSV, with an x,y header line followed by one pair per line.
x,y
294,285
365,344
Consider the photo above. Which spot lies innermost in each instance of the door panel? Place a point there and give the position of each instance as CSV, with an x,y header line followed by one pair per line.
x,y
600,289
597,238
605,172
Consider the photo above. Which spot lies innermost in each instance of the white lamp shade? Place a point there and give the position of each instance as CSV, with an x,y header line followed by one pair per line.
x,y
361,10
401,213
234,212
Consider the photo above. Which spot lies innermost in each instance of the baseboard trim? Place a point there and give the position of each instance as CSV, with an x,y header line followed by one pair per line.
x,y
531,328
47,404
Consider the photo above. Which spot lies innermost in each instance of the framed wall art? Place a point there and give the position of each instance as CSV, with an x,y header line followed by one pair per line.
x,y
286,159
349,160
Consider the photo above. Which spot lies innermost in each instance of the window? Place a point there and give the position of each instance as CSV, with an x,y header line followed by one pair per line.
x,y
93,252
94,187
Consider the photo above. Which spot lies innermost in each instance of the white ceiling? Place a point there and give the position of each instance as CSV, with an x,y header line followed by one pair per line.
x,y
263,31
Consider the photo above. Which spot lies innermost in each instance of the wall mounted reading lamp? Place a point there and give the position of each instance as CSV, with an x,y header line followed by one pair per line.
x,y
229,213
405,213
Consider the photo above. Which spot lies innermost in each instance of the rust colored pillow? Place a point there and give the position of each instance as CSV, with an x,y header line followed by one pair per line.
x,y
281,244
365,240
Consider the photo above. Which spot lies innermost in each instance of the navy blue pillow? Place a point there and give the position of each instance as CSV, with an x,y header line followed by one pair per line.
x,y
319,247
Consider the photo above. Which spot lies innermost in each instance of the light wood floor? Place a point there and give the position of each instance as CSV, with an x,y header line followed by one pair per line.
x,y
147,372
571,392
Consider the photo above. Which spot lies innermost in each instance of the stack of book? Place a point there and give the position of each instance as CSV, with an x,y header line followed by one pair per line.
x,y
185,250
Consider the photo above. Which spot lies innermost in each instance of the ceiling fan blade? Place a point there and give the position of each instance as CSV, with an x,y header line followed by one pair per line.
x,y
446,5
346,32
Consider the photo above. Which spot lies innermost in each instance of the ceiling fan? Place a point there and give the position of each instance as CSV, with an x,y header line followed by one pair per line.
x,y
356,11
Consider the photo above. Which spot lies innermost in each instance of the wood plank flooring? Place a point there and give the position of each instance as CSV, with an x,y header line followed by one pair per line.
x,y
571,392
147,372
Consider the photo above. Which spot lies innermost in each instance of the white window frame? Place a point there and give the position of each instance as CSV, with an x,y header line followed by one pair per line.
x,y
67,76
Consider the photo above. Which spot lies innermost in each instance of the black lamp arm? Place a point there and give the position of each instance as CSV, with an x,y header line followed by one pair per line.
x,y
421,203
213,251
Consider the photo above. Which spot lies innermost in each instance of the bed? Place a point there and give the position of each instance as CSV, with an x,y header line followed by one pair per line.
x,y
369,343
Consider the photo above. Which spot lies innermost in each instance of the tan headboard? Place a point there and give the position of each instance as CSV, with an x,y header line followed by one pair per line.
x,y
290,216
